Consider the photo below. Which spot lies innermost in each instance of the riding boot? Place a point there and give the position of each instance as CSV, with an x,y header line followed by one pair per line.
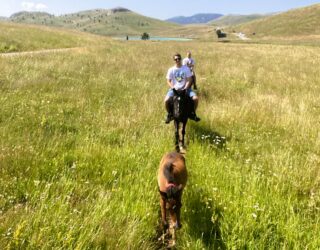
x,y
169,118
192,114
194,117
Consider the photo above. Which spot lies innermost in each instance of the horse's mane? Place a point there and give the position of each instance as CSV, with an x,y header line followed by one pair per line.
x,y
169,165
167,171
180,105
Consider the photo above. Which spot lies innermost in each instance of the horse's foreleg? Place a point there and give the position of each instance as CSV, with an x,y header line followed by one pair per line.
x,y
183,132
177,135
177,211
163,214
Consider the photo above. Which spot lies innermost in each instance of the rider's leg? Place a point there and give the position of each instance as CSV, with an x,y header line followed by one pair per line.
x,y
195,101
194,81
167,103
168,106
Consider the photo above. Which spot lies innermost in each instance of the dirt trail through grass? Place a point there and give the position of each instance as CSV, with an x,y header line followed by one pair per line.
x,y
45,51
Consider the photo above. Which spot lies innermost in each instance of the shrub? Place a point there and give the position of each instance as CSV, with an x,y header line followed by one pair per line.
x,y
145,36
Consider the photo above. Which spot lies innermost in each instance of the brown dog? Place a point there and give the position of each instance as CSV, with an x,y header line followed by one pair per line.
x,y
172,178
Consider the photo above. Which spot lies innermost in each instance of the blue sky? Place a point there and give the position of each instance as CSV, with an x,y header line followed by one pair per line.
x,y
160,9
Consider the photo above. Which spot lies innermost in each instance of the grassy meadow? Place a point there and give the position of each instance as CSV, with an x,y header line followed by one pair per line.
x,y
82,134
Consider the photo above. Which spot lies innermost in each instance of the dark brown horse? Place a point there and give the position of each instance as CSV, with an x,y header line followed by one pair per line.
x,y
182,108
172,178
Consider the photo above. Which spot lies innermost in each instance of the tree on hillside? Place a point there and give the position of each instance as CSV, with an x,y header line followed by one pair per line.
x,y
145,36
220,33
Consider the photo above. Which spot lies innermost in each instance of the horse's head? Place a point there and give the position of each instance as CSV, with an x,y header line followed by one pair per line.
x,y
180,107
172,193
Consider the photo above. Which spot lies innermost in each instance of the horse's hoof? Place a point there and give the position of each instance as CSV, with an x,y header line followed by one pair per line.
x,y
165,226
178,225
182,150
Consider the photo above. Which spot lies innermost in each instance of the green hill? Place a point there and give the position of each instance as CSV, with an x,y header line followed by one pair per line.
x,y
24,37
112,22
294,23
235,19
32,17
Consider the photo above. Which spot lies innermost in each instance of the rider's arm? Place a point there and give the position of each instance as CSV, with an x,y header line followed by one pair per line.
x,y
170,83
188,83
191,65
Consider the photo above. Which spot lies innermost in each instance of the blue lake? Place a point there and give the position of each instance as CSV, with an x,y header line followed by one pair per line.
x,y
155,38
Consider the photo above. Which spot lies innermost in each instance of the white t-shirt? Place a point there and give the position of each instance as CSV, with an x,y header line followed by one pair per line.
x,y
178,76
188,61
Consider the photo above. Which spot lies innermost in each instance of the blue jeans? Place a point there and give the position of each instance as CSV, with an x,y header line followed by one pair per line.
x,y
190,93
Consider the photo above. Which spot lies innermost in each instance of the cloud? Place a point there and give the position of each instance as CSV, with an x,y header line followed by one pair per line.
x,y
41,6
30,6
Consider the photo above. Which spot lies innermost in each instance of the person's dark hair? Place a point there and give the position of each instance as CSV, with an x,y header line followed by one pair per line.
x,y
176,55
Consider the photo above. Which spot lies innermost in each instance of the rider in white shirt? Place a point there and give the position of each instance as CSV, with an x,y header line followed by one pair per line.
x,y
189,61
178,77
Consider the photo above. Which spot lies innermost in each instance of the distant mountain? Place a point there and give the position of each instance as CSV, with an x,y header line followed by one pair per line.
x,y
2,18
228,20
30,17
113,22
195,19
294,23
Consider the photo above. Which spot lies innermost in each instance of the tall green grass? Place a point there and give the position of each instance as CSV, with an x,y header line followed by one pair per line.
x,y
82,134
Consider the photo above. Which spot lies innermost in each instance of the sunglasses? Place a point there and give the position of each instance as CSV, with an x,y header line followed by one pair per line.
x,y
177,59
